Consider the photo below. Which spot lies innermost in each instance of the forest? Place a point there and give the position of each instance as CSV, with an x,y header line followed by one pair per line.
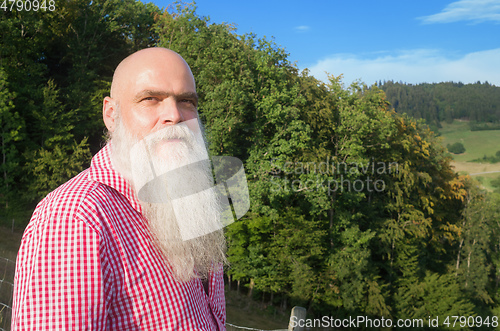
x,y
355,208
478,103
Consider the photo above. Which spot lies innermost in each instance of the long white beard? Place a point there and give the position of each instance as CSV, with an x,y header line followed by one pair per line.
x,y
176,203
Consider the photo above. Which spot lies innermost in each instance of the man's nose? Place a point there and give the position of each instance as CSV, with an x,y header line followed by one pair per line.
x,y
170,113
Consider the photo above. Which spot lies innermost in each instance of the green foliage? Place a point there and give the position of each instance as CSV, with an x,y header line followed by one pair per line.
x,y
496,184
478,250
10,133
490,159
56,67
483,126
487,159
54,122
342,251
439,295
444,102
456,148
50,168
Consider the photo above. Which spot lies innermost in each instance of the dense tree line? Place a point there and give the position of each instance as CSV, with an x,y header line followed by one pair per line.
x,y
444,102
354,207
56,66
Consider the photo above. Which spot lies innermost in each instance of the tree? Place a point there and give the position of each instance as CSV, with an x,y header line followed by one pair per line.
x,y
496,184
456,148
58,156
51,167
475,251
10,127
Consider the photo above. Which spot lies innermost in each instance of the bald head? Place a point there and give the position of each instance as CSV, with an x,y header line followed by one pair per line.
x,y
151,88
132,65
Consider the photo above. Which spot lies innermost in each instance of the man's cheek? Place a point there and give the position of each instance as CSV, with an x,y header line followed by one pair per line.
x,y
193,125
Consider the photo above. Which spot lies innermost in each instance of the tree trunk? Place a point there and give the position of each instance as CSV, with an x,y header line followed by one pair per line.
x,y
460,248
284,305
4,161
252,284
330,212
468,262
458,256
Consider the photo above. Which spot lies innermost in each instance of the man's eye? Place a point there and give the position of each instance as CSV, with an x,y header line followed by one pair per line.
x,y
149,99
189,101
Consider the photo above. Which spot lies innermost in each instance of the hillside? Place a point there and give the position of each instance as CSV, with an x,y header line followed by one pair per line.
x,y
443,102
477,144
464,113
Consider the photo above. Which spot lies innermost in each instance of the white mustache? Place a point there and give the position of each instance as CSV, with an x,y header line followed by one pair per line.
x,y
178,131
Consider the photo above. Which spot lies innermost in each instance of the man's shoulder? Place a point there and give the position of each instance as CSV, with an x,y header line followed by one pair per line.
x,y
79,195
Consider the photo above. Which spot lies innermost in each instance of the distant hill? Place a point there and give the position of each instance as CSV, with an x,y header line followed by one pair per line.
x,y
478,103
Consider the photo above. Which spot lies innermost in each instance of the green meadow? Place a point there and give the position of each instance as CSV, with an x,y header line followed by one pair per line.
x,y
477,145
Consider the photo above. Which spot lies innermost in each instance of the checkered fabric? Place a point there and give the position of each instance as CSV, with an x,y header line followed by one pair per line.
x,y
87,262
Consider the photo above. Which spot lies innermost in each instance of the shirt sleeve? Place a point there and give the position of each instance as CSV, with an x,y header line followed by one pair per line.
x,y
217,299
58,281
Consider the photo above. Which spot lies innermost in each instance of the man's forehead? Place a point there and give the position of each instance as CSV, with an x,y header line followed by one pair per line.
x,y
161,86
148,68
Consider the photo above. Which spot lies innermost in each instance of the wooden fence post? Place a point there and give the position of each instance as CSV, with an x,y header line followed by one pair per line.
x,y
298,313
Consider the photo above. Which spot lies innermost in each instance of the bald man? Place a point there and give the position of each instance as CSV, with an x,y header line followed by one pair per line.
x,y
107,250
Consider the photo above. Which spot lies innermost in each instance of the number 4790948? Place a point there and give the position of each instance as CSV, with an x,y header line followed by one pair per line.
x,y
28,5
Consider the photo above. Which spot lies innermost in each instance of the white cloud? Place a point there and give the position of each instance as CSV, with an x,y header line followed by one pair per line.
x,y
467,10
302,28
413,66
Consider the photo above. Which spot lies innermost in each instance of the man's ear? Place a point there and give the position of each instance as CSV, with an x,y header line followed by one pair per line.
x,y
109,109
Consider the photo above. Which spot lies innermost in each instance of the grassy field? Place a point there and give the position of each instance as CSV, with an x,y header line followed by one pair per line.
x,y
477,144
252,314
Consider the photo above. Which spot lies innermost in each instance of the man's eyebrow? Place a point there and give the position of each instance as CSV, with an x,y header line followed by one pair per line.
x,y
150,93
188,95
153,93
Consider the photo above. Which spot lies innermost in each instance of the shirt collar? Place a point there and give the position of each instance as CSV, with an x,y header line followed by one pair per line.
x,y
103,171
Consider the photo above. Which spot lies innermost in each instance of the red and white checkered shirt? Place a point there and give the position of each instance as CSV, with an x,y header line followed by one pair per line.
x,y
87,262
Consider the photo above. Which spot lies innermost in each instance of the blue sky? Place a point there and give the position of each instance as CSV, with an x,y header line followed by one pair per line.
x,y
410,41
